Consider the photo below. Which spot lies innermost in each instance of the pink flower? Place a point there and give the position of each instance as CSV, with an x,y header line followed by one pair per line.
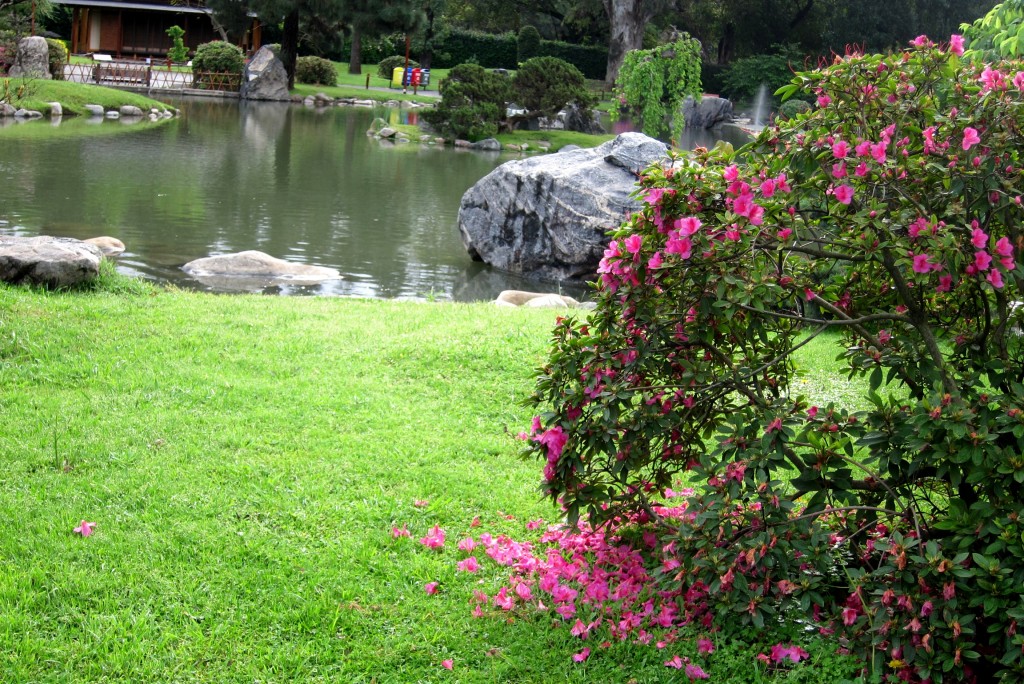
x,y
468,565
687,226
844,193
971,138
467,544
996,278
920,41
448,664
884,336
581,656
503,600
676,662
554,439
1018,80
683,247
730,173
921,264
839,170
979,238
633,243
85,528
420,503
397,532
840,149
956,44
945,283
849,616
878,152
982,260
475,522
655,261
824,100
812,412
793,653
773,426
705,646
434,538
1004,247
861,170
768,187
695,672
784,233
430,588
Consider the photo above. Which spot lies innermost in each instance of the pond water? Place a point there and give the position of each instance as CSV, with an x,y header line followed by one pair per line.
x,y
300,184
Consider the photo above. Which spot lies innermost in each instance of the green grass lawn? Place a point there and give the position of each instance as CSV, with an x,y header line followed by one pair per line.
x,y
245,459
37,94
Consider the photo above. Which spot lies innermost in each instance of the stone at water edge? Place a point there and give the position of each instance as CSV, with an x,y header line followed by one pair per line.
x,y
130,110
265,78
32,59
56,110
109,246
252,263
46,260
94,109
707,113
535,300
548,217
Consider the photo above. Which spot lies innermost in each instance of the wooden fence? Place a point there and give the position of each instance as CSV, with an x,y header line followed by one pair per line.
x,y
142,75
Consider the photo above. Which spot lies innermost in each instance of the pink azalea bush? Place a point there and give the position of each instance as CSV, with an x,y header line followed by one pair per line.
x,y
888,219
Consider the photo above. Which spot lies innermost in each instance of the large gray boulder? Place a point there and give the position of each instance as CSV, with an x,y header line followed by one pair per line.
x,y
32,59
548,217
45,260
576,118
707,113
265,78
253,270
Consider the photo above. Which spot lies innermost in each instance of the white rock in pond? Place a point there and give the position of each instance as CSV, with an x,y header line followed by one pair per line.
x,y
108,245
387,132
536,300
56,110
94,109
112,114
253,269
130,110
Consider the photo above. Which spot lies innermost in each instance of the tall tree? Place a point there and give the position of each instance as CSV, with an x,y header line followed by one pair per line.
x,y
373,17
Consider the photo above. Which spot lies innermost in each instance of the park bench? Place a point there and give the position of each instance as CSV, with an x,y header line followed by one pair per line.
x,y
123,73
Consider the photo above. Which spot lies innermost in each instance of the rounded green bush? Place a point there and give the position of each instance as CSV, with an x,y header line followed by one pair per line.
x,y
315,70
58,58
218,56
791,108
388,65
527,43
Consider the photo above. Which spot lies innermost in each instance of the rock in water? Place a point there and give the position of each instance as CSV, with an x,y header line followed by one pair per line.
x,y
548,217
707,113
252,269
32,59
45,260
109,246
265,77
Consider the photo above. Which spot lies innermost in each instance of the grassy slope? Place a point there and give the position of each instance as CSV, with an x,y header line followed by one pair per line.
x,y
245,458
38,94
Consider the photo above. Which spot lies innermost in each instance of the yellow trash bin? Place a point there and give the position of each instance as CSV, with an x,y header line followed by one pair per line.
x,y
397,74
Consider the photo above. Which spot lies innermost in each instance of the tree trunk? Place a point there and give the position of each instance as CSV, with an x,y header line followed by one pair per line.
x,y
628,20
355,59
290,45
427,53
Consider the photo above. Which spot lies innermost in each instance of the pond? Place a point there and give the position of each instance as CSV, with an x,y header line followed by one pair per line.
x,y
301,184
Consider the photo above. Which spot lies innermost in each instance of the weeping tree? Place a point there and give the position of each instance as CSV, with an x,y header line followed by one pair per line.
x,y
655,82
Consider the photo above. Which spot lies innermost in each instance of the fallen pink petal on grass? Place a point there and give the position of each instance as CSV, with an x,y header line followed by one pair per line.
x,y
430,587
676,662
421,503
581,656
434,538
397,532
448,664
85,528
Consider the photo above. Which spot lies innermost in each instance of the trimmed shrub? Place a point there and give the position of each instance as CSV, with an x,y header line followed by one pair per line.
x,y
791,108
178,51
546,84
217,57
58,55
528,43
592,61
315,70
474,47
473,102
388,65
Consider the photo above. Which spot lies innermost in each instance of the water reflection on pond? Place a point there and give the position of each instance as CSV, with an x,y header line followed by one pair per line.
x,y
302,184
